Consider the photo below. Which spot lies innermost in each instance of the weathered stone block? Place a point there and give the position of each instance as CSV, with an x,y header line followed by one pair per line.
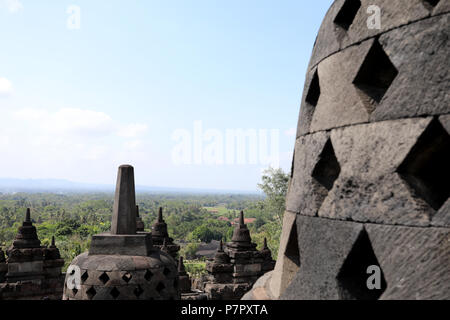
x,y
219,268
305,194
127,245
323,244
419,52
247,268
332,37
405,253
340,103
15,269
286,266
368,188
442,217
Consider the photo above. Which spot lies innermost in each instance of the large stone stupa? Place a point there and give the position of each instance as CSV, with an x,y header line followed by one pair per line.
x,y
368,200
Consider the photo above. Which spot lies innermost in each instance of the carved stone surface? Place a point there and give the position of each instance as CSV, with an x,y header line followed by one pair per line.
x,y
30,272
184,281
237,265
161,237
123,264
370,180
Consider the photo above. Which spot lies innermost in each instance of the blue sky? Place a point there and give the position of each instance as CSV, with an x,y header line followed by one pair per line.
x,y
77,103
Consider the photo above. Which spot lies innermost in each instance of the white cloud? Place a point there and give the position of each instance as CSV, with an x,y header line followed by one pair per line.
x,y
87,131
68,121
133,144
80,122
132,130
70,143
6,87
13,6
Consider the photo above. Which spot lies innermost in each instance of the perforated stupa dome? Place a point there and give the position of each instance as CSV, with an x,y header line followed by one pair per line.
x,y
370,180
123,264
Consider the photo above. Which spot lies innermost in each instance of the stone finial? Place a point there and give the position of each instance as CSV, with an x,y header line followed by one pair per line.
x,y
28,216
241,218
139,223
221,257
181,268
183,277
52,252
266,251
265,247
241,233
124,210
160,215
160,227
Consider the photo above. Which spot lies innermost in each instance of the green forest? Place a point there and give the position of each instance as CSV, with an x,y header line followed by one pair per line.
x,y
191,218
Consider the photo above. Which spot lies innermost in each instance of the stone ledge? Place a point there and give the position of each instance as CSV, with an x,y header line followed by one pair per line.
x,y
126,245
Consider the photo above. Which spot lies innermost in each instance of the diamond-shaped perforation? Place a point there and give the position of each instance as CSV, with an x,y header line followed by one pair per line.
x,y
352,277
160,287
375,76
148,275
115,293
292,252
347,14
84,276
138,291
104,278
426,168
91,293
127,277
327,169
314,90
430,4
166,271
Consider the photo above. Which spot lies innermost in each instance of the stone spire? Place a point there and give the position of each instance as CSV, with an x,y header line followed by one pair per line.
x,y
241,232
52,252
161,238
221,257
183,277
27,235
181,268
265,247
265,251
139,223
124,210
28,216
53,242
160,227
241,218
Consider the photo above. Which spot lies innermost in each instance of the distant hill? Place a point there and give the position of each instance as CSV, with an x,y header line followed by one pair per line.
x,y
8,185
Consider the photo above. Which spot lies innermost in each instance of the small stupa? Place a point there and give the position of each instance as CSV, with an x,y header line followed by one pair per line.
x,y
30,271
123,264
160,236
140,227
236,266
